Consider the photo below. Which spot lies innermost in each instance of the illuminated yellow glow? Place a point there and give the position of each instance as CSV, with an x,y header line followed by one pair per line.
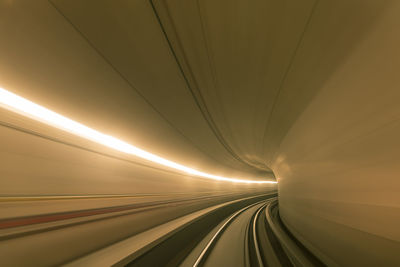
x,y
29,109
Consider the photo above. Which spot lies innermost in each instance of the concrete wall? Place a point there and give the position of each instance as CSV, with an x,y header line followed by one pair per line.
x,y
338,166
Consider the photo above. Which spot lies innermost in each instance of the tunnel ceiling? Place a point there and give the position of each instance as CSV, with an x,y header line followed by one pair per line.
x,y
214,85
215,70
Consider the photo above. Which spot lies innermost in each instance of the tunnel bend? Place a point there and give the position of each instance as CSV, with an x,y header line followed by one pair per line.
x,y
304,91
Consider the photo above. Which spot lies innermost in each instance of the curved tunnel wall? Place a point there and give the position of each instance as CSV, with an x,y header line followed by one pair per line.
x,y
338,165
50,63
318,105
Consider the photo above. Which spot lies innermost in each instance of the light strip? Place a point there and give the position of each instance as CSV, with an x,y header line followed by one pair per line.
x,y
29,109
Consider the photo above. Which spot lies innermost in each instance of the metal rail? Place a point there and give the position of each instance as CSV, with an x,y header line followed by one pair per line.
x,y
255,239
216,236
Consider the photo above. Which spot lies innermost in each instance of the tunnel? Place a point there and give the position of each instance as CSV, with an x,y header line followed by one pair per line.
x,y
200,133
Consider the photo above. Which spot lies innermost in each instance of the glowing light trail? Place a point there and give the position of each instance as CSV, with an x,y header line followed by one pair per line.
x,y
34,111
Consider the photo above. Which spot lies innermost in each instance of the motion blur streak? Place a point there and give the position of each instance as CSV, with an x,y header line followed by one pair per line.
x,y
131,131
27,108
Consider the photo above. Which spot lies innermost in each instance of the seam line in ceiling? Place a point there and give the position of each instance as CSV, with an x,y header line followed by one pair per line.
x,y
267,126
199,100
210,56
214,74
131,85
